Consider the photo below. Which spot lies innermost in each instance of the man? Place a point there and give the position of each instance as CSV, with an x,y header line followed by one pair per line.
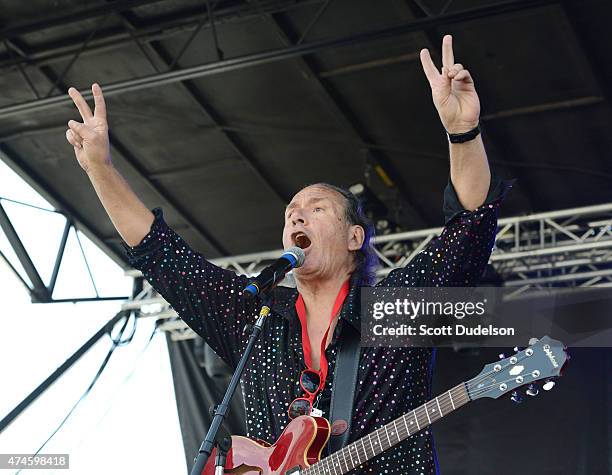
x,y
303,330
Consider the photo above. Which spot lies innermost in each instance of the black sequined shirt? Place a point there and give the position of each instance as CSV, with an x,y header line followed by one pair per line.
x,y
391,381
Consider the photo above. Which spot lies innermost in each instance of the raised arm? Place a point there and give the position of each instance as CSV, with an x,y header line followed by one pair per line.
x,y
455,98
89,138
472,198
209,299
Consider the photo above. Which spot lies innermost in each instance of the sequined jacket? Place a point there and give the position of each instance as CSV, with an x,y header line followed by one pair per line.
x,y
391,381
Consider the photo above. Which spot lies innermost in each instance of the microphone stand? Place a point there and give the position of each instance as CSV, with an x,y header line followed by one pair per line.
x,y
220,411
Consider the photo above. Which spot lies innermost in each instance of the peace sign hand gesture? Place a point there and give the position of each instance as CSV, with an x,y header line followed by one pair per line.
x,y
89,138
452,89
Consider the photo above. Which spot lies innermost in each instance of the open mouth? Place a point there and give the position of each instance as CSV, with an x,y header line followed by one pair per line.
x,y
301,240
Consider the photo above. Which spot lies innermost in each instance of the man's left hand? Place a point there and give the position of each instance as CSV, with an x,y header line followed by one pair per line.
x,y
452,89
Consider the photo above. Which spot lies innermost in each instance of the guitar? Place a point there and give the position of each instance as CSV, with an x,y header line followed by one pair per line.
x,y
298,449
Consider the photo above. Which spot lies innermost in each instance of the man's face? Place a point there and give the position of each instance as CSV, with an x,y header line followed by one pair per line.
x,y
315,221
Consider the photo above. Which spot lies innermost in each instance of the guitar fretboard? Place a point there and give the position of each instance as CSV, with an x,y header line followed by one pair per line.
x,y
385,437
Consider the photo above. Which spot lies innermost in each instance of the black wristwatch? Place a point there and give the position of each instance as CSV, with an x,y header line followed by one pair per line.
x,y
466,136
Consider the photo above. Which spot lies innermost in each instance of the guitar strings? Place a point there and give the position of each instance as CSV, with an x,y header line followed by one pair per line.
x,y
346,456
483,376
399,433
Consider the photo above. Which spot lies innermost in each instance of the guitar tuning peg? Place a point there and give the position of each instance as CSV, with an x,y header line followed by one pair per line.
x,y
533,341
501,356
515,349
548,384
516,397
532,390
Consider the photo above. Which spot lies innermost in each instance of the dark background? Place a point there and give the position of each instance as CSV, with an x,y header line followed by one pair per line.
x,y
218,149
566,430
223,150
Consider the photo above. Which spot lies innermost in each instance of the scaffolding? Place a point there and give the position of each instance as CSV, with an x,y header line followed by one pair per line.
x,y
565,248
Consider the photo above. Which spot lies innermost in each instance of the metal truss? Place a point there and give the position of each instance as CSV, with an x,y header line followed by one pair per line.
x,y
39,292
565,248
147,35
147,30
281,54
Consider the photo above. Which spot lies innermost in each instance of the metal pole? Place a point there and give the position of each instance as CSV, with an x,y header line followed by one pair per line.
x,y
39,293
266,57
23,405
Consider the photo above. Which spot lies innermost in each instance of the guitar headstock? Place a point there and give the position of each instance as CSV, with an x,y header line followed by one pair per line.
x,y
541,360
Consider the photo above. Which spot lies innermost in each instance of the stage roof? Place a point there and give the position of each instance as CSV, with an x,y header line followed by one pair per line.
x,y
219,111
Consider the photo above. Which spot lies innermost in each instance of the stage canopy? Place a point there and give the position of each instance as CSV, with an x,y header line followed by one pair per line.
x,y
219,111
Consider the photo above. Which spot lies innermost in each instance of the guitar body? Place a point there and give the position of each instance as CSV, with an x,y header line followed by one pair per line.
x,y
299,445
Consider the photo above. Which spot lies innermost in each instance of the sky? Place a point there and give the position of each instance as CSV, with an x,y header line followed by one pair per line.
x,y
128,423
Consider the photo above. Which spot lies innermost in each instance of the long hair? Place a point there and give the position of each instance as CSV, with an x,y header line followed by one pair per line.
x,y
366,260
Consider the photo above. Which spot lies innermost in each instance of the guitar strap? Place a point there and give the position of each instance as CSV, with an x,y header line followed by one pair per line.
x,y
343,388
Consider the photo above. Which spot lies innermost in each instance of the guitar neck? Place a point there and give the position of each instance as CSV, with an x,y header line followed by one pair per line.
x,y
385,437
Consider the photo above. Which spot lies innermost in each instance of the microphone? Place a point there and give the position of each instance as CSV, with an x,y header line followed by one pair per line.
x,y
275,272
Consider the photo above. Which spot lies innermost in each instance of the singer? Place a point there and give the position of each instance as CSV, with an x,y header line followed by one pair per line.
x,y
303,330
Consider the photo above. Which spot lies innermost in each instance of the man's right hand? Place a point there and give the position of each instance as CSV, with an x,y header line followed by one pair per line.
x,y
129,215
90,137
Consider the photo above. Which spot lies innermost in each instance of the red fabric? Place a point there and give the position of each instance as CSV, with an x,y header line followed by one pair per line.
x,y
301,311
